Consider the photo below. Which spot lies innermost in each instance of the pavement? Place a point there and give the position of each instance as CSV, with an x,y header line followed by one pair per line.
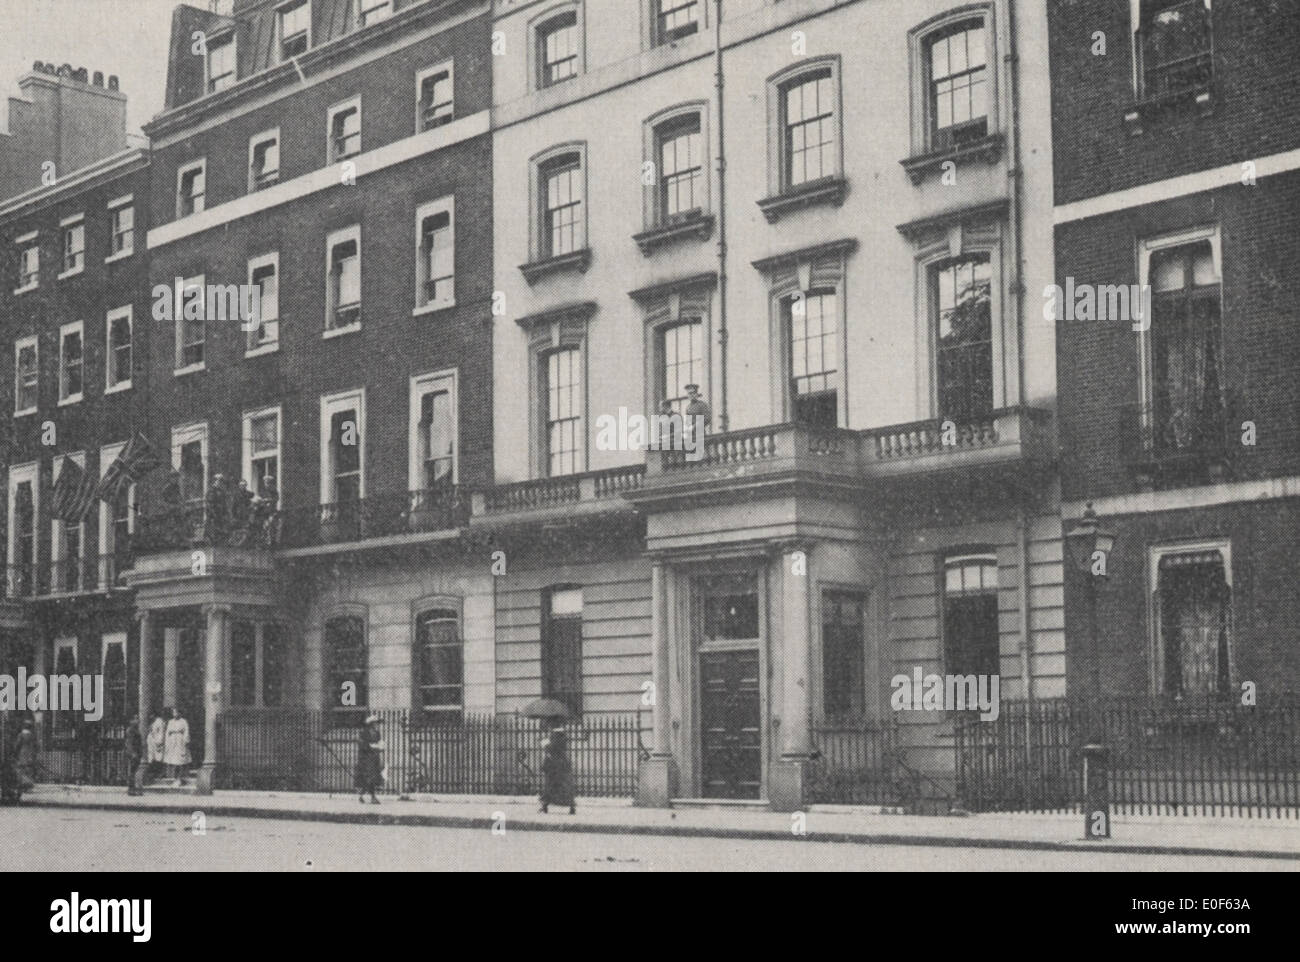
x,y
1137,835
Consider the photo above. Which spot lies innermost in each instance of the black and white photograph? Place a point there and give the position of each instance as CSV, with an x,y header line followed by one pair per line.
x,y
644,436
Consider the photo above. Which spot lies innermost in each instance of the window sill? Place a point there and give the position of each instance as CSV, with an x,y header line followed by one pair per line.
x,y
24,290
261,349
24,412
340,331
827,190
579,260
191,369
698,225
988,149
64,275
119,256
74,399
433,307
118,388
1140,112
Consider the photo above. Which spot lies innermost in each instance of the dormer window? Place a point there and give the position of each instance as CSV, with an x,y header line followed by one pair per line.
x,y
295,29
221,62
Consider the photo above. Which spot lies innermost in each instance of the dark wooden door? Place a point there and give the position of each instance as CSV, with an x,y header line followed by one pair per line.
x,y
732,741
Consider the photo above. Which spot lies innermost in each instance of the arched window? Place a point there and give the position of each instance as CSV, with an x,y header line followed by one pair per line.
x,y
439,661
346,665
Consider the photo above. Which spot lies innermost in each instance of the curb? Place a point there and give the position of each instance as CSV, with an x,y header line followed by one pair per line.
x,y
684,831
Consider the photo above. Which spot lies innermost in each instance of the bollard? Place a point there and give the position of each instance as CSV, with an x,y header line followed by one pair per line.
x,y
1096,792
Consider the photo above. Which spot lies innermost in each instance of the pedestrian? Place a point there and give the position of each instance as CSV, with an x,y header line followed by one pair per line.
x,y
176,750
369,773
156,745
25,757
557,771
133,752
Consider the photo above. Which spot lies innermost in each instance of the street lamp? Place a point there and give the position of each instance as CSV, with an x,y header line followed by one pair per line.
x,y
1089,543
1086,540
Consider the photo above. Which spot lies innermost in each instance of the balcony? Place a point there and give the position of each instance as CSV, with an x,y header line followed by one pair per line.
x,y
758,457
1164,449
382,516
592,492
84,574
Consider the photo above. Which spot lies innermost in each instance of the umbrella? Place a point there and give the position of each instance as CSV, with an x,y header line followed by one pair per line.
x,y
547,708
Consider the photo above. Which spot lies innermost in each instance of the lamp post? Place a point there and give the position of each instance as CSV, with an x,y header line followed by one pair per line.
x,y
1089,546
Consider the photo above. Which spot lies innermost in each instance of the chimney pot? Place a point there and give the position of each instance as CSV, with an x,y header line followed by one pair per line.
x,y
98,79
112,81
39,66
65,70
80,75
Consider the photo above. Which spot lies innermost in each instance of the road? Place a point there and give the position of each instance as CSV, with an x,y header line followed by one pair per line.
x,y
88,840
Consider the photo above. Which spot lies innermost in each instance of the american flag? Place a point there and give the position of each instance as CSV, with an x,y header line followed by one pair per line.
x,y
136,460
74,493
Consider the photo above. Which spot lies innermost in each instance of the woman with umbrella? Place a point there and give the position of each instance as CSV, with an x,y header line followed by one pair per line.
x,y
557,770
369,774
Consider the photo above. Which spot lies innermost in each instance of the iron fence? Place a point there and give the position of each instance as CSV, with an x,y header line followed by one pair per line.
x,y
1195,756
855,761
306,750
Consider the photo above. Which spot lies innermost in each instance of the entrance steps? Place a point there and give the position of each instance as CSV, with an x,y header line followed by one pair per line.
x,y
721,804
166,786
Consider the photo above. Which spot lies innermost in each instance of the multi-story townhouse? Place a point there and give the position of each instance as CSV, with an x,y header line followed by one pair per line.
x,y
73,297
751,207
1177,155
333,155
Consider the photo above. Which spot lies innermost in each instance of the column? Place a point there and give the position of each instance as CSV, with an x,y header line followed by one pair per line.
x,y
145,699
787,786
171,648
657,784
214,691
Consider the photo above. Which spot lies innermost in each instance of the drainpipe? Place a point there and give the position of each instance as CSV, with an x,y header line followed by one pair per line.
x,y
1015,183
722,221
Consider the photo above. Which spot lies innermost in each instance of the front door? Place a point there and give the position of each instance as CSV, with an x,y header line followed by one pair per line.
x,y
732,740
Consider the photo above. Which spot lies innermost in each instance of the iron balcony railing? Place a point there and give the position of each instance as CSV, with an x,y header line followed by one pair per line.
x,y
1157,435
377,516
74,575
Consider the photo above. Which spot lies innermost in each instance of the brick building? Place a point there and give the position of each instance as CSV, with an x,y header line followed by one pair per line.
x,y
332,157
1177,160
72,301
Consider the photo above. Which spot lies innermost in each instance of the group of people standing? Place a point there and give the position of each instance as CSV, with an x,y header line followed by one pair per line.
x,y
167,745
